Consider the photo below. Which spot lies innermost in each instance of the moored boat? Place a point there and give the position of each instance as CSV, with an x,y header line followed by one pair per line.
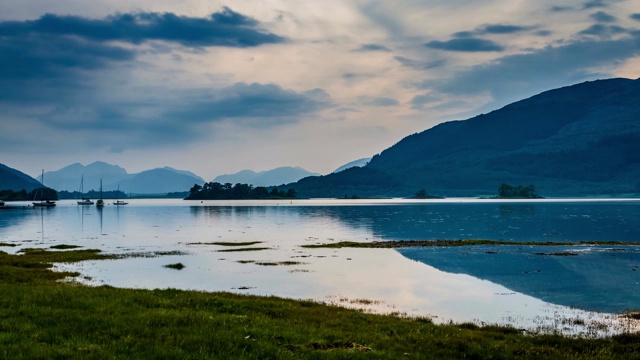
x,y
42,202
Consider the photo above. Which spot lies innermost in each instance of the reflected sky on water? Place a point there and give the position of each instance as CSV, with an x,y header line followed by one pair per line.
x,y
464,284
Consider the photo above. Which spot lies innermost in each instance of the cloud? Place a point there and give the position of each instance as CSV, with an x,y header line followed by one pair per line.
x,y
503,29
602,16
377,101
465,45
515,76
373,47
556,8
603,31
595,4
225,28
420,65
635,16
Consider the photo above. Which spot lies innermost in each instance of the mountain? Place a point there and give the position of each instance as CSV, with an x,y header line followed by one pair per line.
x,y
277,176
158,181
155,181
355,163
12,179
580,140
68,178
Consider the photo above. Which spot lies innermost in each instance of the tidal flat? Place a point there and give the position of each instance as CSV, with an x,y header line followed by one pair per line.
x,y
42,317
406,281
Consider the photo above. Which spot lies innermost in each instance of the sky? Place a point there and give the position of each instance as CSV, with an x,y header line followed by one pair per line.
x,y
215,87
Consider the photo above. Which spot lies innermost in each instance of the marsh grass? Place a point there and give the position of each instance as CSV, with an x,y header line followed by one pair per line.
x,y
64,247
225,243
41,318
273,263
7,244
244,249
176,266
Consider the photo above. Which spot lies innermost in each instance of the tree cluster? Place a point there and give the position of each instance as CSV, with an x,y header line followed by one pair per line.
x,y
23,195
217,191
520,191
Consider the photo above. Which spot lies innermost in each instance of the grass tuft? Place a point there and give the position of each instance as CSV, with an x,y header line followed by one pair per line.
x,y
176,266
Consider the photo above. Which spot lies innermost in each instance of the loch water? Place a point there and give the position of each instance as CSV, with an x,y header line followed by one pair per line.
x,y
512,284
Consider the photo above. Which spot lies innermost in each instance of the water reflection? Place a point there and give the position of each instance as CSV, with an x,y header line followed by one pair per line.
x,y
590,280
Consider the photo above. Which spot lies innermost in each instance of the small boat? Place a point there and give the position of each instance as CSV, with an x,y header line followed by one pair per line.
x,y
100,202
119,202
83,200
42,202
1,203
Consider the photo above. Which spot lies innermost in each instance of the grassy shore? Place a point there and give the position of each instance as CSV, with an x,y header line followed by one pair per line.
x,y
41,317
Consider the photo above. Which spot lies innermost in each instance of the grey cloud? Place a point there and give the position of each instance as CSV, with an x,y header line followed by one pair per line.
x,y
418,102
601,30
635,16
378,101
225,28
595,4
515,76
257,101
602,16
561,8
422,65
373,47
465,45
503,29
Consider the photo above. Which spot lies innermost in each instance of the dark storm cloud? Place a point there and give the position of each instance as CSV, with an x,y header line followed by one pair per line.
x,y
602,16
225,28
515,76
465,45
373,47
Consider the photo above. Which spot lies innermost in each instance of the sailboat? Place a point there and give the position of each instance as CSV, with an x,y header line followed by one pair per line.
x,y
100,202
42,202
82,200
119,202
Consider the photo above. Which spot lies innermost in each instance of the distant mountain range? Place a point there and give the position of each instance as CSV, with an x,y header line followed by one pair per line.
x,y
274,177
155,181
580,140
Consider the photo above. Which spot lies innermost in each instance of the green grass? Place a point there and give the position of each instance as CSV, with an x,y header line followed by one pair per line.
x,y
64,247
41,318
7,244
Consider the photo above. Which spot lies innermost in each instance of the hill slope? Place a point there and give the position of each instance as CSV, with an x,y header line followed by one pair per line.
x,y
577,140
12,179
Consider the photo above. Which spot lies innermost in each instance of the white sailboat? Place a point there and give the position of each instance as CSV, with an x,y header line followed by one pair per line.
x,y
119,202
100,202
40,191
82,200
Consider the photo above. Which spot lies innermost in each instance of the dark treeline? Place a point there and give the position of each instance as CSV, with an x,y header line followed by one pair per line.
x,y
217,191
520,191
35,194
114,194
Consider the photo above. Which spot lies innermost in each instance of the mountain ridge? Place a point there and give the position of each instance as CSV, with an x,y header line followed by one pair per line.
x,y
577,140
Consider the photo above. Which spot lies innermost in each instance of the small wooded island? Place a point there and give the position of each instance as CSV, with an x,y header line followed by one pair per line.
x,y
217,191
506,191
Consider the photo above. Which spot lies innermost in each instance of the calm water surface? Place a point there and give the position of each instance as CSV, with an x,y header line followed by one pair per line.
x,y
520,285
